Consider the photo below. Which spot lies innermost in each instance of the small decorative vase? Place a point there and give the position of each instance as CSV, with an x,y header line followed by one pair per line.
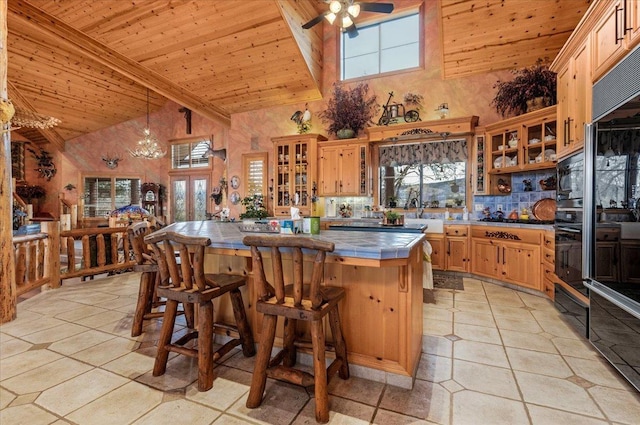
x,y
345,133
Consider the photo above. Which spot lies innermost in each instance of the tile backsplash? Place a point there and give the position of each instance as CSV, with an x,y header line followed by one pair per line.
x,y
517,199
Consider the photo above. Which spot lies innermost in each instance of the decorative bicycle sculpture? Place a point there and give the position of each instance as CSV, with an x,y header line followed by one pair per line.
x,y
391,112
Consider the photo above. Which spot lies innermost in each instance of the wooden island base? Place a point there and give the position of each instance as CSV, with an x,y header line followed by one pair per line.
x,y
381,313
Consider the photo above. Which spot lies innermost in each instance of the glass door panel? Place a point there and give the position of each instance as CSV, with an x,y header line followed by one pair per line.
x,y
189,194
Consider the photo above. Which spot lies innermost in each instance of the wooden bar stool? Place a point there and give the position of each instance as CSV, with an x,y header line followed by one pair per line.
x,y
187,283
149,279
306,302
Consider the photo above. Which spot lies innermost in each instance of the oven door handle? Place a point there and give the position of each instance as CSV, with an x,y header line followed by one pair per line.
x,y
613,297
568,229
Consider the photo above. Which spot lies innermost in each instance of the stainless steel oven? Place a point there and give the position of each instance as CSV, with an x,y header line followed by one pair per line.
x,y
612,217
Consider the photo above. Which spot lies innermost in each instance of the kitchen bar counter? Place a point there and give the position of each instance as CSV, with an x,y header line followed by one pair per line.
x,y
381,273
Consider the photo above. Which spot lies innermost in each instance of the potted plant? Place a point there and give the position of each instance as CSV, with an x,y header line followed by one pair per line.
x,y
254,208
392,218
349,111
532,88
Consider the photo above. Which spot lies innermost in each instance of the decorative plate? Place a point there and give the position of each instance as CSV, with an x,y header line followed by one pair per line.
x,y
234,198
235,182
544,209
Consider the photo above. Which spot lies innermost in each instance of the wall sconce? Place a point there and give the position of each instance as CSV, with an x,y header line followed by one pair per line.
x,y
443,110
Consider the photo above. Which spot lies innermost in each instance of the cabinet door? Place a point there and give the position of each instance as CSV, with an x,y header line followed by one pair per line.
x,y
564,80
479,171
328,171
457,253
633,16
521,264
484,258
630,261
580,105
349,171
608,38
437,252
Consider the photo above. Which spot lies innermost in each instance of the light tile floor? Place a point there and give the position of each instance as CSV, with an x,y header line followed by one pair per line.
x,y
491,355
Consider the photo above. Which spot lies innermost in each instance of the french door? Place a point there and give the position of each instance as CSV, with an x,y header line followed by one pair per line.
x,y
189,196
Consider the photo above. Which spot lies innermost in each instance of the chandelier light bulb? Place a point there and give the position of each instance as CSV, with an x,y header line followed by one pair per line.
x,y
331,17
335,6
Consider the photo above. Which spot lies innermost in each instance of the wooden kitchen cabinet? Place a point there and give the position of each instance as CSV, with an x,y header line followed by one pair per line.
x,y
342,169
456,248
549,277
436,241
574,100
479,176
508,254
522,143
295,175
615,33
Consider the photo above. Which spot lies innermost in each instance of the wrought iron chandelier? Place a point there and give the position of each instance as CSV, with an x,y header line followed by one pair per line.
x,y
147,147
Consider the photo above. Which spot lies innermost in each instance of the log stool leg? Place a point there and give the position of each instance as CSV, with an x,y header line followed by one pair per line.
x,y
289,338
341,347
259,379
205,346
145,294
320,372
248,345
169,320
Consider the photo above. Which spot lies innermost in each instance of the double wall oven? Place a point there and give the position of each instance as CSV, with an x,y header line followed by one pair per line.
x,y
611,236
571,296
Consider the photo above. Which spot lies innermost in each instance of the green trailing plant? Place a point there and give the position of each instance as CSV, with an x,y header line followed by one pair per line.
x,y
254,207
527,84
392,215
350,108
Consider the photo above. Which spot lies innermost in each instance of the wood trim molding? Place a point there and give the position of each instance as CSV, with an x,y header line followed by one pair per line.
x,y
28,14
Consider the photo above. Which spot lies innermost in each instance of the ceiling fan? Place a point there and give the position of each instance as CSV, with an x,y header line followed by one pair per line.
x,y
343,12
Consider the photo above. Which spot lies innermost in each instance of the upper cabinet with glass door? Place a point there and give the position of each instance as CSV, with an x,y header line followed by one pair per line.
x,y
295,175
525,142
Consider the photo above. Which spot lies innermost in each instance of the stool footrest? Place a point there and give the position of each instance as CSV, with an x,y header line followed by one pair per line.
x,y
293,376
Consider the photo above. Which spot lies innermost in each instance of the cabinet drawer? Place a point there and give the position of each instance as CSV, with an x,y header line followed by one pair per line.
x,y
456,230
549,240
529,236
548,287
549,256
548,273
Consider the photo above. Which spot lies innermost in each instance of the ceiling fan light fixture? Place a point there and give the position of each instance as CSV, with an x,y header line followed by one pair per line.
x,y
354,10
346,21
331,17
335,6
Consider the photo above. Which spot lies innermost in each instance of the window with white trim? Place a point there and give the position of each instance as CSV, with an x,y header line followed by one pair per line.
x,y
190,154
104,194
386,46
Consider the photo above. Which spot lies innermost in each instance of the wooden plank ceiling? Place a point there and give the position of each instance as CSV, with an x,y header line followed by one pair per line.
x,y
490,35
89,63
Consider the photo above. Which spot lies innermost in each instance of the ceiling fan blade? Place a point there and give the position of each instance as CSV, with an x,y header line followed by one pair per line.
x,y
315,21
376,7
352,31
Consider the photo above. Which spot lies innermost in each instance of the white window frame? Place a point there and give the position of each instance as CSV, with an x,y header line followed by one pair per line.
x,y
363,25
113,179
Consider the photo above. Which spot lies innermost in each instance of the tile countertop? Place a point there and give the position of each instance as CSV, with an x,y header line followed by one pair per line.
x,y
457,222
370,245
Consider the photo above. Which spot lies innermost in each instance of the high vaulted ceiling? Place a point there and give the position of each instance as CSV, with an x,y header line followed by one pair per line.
x,y
90,62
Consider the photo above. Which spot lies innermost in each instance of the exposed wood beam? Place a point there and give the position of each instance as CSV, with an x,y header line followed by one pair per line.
x,y
309,41
28,14
20,101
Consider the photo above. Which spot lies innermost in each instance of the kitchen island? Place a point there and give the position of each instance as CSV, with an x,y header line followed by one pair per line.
x,y
381,273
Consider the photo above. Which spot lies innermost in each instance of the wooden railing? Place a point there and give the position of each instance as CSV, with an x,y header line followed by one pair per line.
x,y
37,256
103,249
37,259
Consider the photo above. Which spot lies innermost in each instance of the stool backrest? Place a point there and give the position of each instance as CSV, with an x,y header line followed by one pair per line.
x,y
190,249
294,244
141,250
